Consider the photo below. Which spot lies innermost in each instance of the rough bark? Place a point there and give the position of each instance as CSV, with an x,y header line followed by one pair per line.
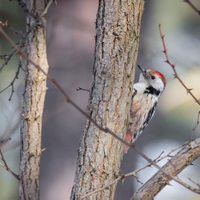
x,y
33,102
174,166
117,40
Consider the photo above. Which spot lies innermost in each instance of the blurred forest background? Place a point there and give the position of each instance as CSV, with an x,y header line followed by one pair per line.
x,y
70,47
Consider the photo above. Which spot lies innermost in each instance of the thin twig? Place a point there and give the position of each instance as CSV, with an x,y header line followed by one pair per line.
x,y
6,166
121,177
176,76
173,150
12,82
79,88
189,91
20,44
100,189
3,159
47,8
192,6
6,58
197,184
14,30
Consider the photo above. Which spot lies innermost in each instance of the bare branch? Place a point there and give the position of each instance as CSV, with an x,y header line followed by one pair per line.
x,y
47,8
13,81
181,160
197,184
6,166
6,58
192,6
176,76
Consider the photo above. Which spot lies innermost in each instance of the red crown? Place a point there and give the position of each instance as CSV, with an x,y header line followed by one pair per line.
x,y
160,75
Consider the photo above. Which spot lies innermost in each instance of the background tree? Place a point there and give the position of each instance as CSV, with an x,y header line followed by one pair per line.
x,y
33,101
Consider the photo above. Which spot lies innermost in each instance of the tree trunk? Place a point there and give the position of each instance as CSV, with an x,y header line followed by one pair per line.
x,y
33,103
117,40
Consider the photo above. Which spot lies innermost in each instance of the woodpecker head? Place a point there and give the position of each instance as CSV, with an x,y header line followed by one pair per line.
x,y
154,80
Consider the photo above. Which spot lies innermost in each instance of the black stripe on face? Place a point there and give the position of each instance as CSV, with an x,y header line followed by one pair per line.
x,y
152,90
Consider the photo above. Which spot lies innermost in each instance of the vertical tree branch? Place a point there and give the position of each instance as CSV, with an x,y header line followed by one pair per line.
x,y
117,39
33,102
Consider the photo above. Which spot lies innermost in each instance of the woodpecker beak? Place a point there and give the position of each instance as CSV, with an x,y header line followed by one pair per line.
x,y
142,70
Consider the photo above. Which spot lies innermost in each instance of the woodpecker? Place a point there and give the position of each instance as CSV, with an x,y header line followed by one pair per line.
x,y
143,102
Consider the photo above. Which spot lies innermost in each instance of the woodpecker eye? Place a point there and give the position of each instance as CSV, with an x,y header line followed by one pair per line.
x,y
153,77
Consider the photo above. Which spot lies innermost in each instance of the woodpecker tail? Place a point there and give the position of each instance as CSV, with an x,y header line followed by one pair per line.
x,y
128,138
